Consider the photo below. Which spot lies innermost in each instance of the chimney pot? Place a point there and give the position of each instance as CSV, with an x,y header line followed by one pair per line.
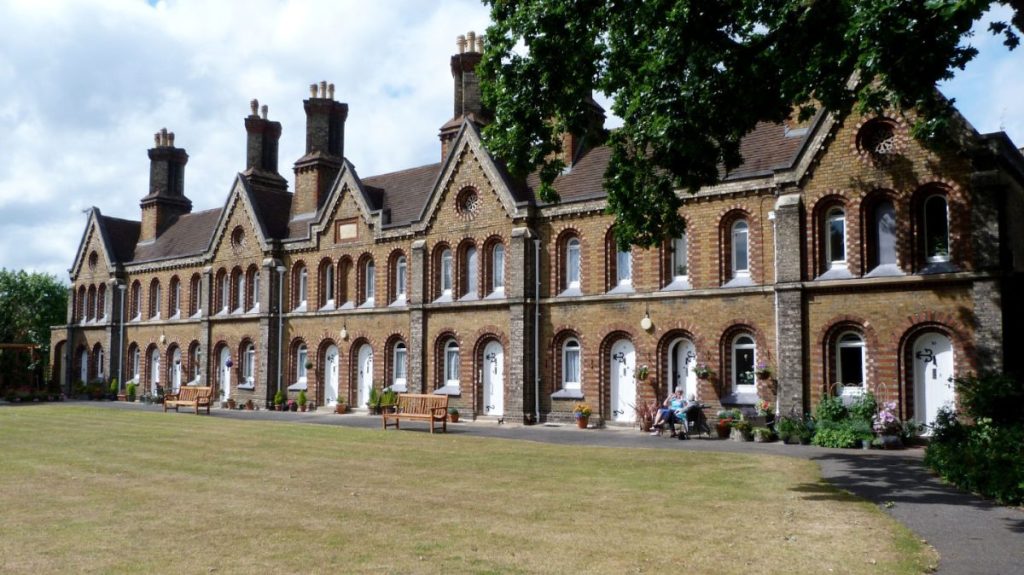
x,y
263,110
460,42
480,44
312,90
330,91
323,88
156,140
170,139
471,41
254,105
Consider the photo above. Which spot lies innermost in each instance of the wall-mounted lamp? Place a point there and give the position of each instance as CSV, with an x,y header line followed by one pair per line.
x,y
344,332
163,339
646,324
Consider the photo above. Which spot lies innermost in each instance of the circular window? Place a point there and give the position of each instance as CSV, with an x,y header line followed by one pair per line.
x,y
880,140
238,238
94,259
468,203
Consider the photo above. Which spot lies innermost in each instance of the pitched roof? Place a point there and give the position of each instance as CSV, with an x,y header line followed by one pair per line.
x,y
404,193
189,235
272,208
122,235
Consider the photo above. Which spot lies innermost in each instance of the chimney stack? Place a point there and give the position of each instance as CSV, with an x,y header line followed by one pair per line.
x,y
166,199
325,149
467,102
262,137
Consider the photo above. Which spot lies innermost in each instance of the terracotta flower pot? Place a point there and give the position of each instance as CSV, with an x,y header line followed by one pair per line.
x,y
723,428
582,422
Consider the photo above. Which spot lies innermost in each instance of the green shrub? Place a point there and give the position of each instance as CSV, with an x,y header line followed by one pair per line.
x,y
114,388
983,458
302,397
788,427
994,396
374,400
831,409
389,397
864,407
131,390
835,434
279,398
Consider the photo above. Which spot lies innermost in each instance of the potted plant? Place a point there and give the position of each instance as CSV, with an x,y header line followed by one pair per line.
x,y
279,400
340,406
374,401
388,400
762,370
645,414
131,391
581,412
302,401
249,405
763,435
888,426
642,372
788,430
231,403
112,390
292,405
726,417
309,364
703,371
742,430
453,414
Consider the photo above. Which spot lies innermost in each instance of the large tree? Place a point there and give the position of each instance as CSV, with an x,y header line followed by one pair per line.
x,y
29,304
690,78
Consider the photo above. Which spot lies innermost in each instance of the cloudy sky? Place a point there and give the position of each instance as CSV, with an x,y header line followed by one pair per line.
x,y
86,83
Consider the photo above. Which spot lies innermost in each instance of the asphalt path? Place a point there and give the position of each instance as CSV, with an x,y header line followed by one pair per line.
x,y
971,535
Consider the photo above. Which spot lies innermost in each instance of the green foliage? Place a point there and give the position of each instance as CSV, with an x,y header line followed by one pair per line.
x,y
374,400
985,458
302,397
835,434
29,304
831,409
689,80
114,388
864,408
279,397
787,427
992,395
131,390
389,397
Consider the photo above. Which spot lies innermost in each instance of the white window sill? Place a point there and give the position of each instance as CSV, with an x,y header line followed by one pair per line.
x,y
398,388
571,292
299,386
567,393
255,309
399,302
247,386
329,306
348,305
300,308
622,288
498,293
836,272
366,304
678,284
449,389
739,281
446,297
470,297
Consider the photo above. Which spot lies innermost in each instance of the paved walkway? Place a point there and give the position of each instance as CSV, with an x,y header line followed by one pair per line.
x,y
971,535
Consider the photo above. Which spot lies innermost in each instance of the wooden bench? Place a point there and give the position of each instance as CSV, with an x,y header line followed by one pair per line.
x,y
427,407
192,396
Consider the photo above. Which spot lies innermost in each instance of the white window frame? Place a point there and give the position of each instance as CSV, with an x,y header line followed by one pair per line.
x,y
371,282
255,287
136,301
197,368
156,301
99,364
451,363
877,232
225,293
498,268
400,366
401,279
858,344
734,347
832,216
740,232
135,355
249,366
680,257
930,255
301,357
573,264
303,288
572,353
446,272
240,290
329,286
624,267
472,275
175,294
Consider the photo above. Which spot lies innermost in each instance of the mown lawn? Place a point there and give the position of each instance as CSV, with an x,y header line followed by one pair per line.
x,y
91,490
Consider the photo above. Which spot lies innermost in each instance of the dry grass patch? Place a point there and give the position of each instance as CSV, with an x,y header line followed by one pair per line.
x,y
97,490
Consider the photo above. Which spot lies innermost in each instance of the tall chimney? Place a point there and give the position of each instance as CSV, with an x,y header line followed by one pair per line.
x,y
262,137
166,199
325,149
467,103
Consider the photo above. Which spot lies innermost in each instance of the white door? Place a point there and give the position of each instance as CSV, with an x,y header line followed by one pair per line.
x,y
331,373
365,380
494,379
154,370
933,373
83,367
623,381
682,358
176,371
224,372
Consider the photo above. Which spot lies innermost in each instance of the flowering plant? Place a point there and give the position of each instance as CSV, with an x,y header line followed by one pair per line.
x,y
885,421
641,373
703,371
764,407
762,370
581,410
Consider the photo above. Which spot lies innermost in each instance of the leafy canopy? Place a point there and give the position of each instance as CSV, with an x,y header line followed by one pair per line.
x,y
29,304
690,78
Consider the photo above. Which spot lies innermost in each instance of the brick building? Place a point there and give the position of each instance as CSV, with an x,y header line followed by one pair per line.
x,y
841,256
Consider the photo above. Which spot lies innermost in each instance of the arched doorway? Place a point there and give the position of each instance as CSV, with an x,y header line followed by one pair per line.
x,y
682,358
623,381
154,370
83,365
176,370
933,376
331,375
364,375
494,379
224,372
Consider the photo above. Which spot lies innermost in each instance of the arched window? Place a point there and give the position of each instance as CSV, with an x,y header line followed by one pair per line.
x,y
90,305
301,357
571,372
254,289
446,274
195,366
451,363
238,294
883,234
680,268
936,228
624,267
573,269
401,280
83,366
196,295
498,268
851,362
136,298
154,299
370,283
835,240
249,366
471,265
301,288
740,264
101,302
224,291
327,274
154,370
400,367
100,360
133,363
174,298
744,353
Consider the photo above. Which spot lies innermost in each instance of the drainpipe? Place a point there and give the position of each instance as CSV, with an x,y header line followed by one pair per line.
x,y
536,332
778,356
120,339
280,330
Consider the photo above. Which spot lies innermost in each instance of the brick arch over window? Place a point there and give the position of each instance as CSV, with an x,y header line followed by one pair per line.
x,y
957,207
817,226
80,303
391,281
554,359
878,365
487,257
727,219
135,297
436,254
294,284
438,354
154,299
611,261
126,366
146,366
252,278
467,273
195,290
363,287
559,271
97,364
326,283
393,339
237,295
194,363
346,279
724,368
868,250
965,358
221,297
666,272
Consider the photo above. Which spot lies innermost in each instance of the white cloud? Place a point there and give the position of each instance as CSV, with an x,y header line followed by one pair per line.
x,y
88,82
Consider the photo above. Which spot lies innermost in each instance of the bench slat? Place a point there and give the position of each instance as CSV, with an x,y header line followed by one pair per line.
x,y
431,408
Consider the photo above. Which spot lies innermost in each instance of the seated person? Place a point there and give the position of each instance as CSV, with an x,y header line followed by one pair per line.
x,y
673,406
